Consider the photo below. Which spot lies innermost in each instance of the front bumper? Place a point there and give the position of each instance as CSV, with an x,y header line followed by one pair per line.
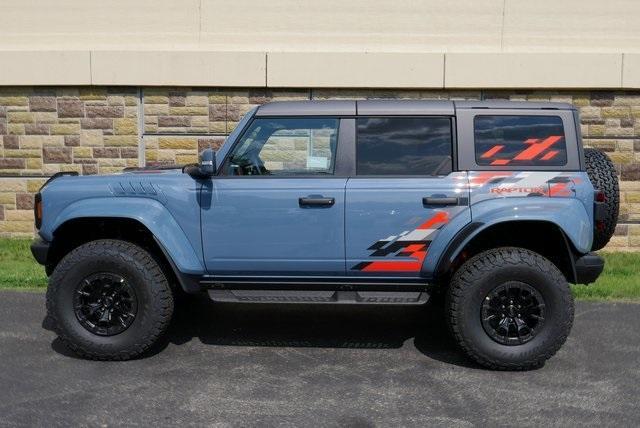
x,y
40,250
588,268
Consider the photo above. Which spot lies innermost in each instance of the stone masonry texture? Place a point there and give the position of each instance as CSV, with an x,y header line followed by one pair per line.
x,y
101,130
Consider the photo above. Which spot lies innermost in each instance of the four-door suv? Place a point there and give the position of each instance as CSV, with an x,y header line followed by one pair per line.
x,y
496,205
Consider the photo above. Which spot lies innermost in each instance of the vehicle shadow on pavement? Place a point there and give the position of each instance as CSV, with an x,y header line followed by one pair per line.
x,y
321,326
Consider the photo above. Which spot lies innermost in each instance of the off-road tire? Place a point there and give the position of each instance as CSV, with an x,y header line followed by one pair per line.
x,y
154,297
603,177
474,281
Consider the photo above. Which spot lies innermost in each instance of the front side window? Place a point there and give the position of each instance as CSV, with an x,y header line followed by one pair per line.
x,y
286,147
404,146
520,141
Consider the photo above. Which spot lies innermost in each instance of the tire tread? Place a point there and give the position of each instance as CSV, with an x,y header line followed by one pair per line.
x,y
483,264
161,305
603,176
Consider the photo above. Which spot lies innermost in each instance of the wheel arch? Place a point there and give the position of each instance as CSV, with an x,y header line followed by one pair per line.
x,y
541,236
79,230
152,214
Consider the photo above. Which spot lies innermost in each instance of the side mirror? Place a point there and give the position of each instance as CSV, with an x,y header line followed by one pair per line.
x,y
206,167
208,162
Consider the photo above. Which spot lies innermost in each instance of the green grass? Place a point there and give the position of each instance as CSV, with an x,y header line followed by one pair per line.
x,y
620,280
18,269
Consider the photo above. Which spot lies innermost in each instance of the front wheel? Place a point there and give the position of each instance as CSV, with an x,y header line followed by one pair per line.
x,y
510,308
109,300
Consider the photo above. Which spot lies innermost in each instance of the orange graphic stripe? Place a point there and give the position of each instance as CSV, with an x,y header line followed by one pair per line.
x,y
397,266
482,177
413,248
393,267
500,162
550,155
439,217
492,151
536,148
559,189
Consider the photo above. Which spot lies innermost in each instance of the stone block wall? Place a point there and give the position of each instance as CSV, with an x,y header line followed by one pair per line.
x,y
104,129
179,122
88,130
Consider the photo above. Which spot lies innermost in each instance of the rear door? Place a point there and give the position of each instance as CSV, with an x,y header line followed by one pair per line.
x,y
404,194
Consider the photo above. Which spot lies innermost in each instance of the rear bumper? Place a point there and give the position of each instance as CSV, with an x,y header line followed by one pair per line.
x,y
588,268
40,250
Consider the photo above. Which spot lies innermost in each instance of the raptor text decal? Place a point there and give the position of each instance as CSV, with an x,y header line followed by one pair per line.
x,y
503,184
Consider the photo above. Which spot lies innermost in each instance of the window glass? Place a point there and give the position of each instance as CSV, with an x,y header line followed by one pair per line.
x,y
520,140
403,146
285,146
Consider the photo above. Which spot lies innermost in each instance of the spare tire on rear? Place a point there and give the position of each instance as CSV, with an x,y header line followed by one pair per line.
x,y
602,174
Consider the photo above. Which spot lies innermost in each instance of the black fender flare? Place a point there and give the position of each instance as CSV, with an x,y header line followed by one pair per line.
x,y
471,230
189,283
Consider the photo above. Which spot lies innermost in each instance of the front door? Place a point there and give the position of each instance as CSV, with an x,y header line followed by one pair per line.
x,y
403,195
277,209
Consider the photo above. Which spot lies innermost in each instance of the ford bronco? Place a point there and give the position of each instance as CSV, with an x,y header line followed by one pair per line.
x,y
495,206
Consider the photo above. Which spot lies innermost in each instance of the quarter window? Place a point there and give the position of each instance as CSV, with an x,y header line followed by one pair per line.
x,y
404,146
520,141
286,147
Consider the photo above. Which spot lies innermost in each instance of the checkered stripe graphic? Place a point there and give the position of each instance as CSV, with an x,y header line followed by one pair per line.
x,y
412,245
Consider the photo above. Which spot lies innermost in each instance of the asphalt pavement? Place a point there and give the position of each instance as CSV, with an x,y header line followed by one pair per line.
x,y
266,365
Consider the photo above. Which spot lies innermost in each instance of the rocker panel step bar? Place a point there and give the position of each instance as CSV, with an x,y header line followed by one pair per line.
x,y
312,283
320,297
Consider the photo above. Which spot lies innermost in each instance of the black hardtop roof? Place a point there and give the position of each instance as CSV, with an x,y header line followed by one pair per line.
x,y
516,105
394,107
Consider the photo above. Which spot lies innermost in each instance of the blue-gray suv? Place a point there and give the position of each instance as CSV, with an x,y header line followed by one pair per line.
x,y
495,206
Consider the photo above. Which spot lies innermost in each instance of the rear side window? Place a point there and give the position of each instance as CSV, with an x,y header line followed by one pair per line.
x,y
403,146
520,141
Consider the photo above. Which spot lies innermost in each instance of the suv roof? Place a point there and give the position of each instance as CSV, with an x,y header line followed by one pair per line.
x,y
501,104
393,107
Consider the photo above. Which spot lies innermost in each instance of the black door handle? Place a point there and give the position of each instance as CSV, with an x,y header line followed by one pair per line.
x,y
316,201
440,201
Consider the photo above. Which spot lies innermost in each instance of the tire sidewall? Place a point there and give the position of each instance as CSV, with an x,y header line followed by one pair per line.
x,y
110,261
470,319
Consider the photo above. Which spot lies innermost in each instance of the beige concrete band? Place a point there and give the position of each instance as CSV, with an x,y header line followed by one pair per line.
x,y
321,70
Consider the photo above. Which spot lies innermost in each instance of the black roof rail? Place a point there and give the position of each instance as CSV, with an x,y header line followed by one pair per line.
x,y
513,105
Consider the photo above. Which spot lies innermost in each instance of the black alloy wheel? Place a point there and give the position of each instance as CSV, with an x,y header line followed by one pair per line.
x,y
105,304
512,313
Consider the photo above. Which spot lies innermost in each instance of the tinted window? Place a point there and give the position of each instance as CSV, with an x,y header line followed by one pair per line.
x,y
520,140
285,146
403,146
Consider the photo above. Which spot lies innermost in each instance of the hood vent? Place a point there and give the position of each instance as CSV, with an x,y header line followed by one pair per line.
x,y
138,188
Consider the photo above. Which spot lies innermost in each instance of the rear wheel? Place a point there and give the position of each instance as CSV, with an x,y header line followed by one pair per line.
x,y
509,308
603,176
109,300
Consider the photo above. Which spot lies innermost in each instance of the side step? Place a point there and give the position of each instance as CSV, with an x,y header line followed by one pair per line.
x,y
320,296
